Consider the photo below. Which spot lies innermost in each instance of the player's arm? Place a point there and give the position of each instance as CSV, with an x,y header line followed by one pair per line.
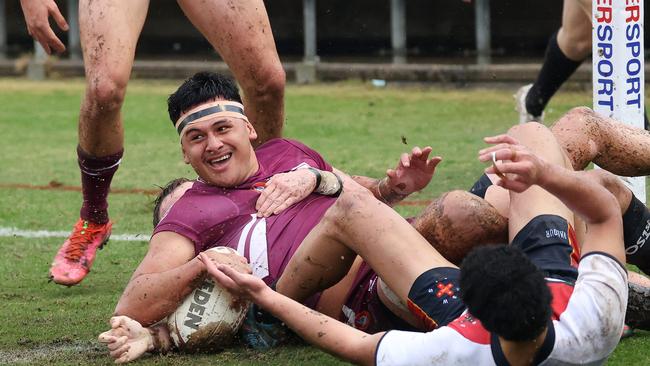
x,y
285,189
329,334
37,13
412,173
584,196
167,273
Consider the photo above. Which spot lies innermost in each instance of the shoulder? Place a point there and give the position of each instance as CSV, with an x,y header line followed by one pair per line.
x,y
199,209
281,155
471,329
282,144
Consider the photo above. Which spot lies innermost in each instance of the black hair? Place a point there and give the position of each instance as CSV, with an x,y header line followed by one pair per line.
x,y
200,88
505,291
164,192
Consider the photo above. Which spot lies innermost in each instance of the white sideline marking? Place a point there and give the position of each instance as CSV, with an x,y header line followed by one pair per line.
x,y
14,232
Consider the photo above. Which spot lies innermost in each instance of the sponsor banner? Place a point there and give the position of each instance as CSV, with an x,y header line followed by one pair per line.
x,y
618,67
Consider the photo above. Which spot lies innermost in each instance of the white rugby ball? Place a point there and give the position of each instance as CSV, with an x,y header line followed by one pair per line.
x,y
208,319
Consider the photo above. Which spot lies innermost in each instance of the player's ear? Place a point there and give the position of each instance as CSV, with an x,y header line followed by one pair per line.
x,y
252,134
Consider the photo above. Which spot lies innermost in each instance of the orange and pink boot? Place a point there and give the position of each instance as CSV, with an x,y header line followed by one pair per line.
x,y
75,257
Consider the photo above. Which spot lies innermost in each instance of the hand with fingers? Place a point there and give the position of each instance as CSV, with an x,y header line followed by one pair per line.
x,y
241,285
228,256
413,172
37,13
283,190
518,168
127,339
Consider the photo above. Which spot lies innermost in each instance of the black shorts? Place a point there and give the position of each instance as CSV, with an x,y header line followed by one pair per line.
x,y
434,297
549,241
480,187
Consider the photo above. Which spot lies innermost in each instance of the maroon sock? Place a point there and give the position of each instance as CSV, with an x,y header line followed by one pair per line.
x,y
96,176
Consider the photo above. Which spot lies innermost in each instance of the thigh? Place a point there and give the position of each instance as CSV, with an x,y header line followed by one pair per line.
x,y
536,201
240,31
109,32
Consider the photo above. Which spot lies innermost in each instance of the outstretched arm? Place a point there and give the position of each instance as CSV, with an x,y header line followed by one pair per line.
x,y
412,173
582,195
327,333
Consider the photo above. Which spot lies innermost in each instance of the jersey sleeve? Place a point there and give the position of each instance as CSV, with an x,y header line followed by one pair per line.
x,y
443,346
313,154
595,313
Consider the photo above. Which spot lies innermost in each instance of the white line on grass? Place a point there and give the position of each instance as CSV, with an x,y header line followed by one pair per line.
x,y
14,232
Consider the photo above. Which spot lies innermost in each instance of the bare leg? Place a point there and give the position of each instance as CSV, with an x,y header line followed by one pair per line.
x,y
574,36
587,136
457,221
358,223
240,31
109,33
535,200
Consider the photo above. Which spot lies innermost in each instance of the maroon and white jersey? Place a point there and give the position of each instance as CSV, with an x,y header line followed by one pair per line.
x,y
586,326
212,216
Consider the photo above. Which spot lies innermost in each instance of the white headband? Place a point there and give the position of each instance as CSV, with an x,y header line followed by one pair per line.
x,y
207,111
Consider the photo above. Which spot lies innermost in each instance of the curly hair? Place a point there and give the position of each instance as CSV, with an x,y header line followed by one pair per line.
x,y
505,291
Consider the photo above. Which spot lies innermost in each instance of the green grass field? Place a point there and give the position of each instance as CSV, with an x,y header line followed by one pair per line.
x,y
357,128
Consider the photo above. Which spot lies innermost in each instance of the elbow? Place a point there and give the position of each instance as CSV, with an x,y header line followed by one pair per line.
x,y
610,209
133,312
363,352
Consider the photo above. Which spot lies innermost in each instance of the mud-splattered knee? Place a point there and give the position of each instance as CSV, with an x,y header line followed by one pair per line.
x,y
457,221
105,93
354,200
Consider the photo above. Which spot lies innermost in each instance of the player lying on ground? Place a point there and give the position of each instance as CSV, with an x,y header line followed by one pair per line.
x,y
540,227
157,309
109,31
220,208
360,324
457,219
504,290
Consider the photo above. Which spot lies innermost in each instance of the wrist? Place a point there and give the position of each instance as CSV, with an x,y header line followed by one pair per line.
x,y
545,172
387,194
317,176
159,339
327,183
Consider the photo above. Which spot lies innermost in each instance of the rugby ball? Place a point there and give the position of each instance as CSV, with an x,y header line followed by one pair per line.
x,y
208,319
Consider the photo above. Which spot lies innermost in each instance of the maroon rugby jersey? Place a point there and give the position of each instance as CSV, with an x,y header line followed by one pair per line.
x,y
212,216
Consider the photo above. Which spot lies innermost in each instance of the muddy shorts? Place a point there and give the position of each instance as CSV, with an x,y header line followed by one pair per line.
x,y
434,297
480,187
364,310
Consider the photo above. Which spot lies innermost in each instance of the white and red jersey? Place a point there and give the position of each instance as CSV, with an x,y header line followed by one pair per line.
x,y
586,326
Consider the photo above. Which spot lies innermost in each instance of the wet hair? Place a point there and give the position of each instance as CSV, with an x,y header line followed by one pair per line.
x,y
200,88
505,291
165,191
